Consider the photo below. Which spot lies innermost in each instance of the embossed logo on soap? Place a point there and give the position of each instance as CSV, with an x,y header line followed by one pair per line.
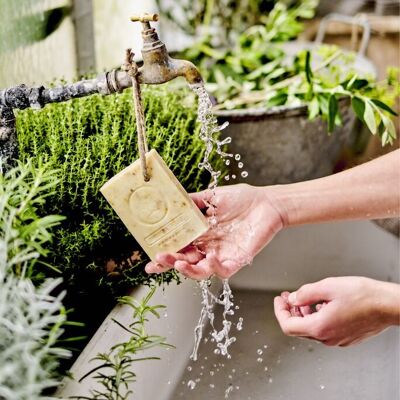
x,y
148,205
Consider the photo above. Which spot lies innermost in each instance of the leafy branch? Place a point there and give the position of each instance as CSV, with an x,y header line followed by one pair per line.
x,y
258,71
114,374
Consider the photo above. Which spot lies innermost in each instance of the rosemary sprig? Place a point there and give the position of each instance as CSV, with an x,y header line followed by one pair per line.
x,y
114,375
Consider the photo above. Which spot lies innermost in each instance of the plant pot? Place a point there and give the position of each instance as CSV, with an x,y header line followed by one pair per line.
x,y
283,145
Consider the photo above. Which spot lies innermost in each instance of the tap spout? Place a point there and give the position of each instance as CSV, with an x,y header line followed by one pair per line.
x,y
169,69
158,67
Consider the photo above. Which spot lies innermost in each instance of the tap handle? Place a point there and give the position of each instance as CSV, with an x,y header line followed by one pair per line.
x,y
145,18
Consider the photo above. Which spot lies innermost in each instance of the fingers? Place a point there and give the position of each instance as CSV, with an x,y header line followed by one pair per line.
x,y
155,268
293,325
190,254
297,311
320,306
311,293
200,271
306,310
201,199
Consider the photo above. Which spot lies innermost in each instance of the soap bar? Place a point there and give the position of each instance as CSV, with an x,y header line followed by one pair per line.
x,y
159,213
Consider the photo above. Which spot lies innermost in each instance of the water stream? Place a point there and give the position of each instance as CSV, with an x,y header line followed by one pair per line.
x,y
208,133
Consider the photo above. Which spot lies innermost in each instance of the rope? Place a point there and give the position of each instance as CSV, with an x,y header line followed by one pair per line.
x,y
131,68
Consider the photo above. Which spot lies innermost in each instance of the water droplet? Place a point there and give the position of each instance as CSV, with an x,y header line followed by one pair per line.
x,y
244,174
293,347
213,221
191,384
265,346
217,351
212,373
227,162
322,387
189,368
233,370
240,165
212,386
259,352
233,176
227,177
228,391
259,360
270,380
237,157
265,369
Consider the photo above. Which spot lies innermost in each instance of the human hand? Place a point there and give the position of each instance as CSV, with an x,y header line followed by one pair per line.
x,y
339,311
246,221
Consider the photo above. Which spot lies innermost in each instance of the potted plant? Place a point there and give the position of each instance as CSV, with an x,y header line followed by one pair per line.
x,y
282,96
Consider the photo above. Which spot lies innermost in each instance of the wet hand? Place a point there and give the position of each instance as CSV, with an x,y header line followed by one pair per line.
x,y
245,221
339,311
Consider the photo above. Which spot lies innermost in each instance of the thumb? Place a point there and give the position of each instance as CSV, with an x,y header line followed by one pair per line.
x,y
311,293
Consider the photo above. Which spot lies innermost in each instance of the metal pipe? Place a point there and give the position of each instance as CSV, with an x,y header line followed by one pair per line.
x,y
8,139
158,67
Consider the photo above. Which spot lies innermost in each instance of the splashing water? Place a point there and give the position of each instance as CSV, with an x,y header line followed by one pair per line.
x,y
208,130
228,391
191,384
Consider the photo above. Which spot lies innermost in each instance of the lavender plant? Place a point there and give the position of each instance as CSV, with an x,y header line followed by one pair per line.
x,y
31,317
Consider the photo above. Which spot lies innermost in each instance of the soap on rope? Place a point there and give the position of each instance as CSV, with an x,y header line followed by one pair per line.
x,y
159,213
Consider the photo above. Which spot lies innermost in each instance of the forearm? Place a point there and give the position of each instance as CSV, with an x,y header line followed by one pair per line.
x,y
368,191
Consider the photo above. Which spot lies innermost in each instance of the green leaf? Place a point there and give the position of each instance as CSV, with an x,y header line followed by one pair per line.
x,y
384,106
369,118
359,84
333,110
278,100
389,126
358,107
385,138
313,108
309,74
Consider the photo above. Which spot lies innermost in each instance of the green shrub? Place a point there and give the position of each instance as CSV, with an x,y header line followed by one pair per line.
x,y
88,141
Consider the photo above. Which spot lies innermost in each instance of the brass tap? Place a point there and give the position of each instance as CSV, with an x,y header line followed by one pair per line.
x,y
158,67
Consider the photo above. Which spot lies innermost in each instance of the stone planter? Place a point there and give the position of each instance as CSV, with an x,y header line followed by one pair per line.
x,y
282,145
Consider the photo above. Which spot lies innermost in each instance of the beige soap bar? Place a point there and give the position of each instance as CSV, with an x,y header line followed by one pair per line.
x,y
159,213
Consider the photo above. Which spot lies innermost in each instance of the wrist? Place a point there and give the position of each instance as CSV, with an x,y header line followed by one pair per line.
x,y
389,302
284,204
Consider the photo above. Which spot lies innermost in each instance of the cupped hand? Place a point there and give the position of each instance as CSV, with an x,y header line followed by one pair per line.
x,y
339,311
243,220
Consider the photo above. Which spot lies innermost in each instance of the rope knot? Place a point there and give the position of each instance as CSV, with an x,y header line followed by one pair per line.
x,y
130,65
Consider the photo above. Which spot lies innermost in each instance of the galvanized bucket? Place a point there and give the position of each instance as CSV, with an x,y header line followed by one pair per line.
x,y
281,145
